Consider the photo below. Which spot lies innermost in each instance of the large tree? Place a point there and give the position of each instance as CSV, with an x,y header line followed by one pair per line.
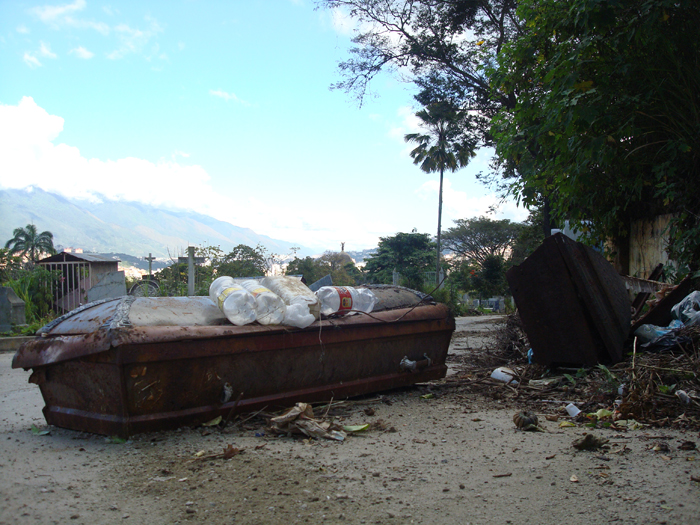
x,y
28,242
476,239
409,254
338,265
441,148
244,261
607,123
440,45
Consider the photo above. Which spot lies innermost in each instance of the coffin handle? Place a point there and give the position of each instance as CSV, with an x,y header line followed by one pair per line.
x,y
408,365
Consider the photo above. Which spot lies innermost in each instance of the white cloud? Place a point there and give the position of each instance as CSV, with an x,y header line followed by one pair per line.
x,y
31,60
34,156
81,52
45,50
228,96
51,14
100,27
22,30
133,40
31,156
458,204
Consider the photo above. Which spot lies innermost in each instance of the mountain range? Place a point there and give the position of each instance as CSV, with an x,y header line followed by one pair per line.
x,y
124,227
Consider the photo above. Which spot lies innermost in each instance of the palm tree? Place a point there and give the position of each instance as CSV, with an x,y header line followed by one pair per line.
x,y
28,242
443,147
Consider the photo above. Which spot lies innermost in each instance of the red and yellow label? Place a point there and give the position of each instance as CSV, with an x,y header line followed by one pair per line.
x,y
345,299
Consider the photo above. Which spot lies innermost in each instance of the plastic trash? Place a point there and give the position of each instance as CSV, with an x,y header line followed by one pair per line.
x,y
269,307
343,299
298,315
293,291
237,304
530,356
504,374
683,396
688,310
649,333
572,410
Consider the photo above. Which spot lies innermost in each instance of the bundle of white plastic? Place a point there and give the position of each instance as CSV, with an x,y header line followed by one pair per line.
x,y
302,305
275,300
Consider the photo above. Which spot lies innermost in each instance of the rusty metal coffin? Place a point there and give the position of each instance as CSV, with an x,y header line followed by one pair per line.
x,y
573,304
133,365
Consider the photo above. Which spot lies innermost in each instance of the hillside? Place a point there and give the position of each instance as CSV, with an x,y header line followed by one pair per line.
x,y
124,227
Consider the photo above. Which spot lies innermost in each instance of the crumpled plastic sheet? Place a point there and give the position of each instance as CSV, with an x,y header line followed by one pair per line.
x,y
688,310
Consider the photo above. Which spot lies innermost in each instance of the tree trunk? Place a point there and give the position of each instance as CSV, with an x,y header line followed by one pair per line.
x,y
437,270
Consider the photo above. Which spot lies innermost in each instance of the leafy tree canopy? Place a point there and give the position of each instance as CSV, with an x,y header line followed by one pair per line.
x,y
28,242
410,254
607,123
478,238
442,46
490,279
244,261
338,264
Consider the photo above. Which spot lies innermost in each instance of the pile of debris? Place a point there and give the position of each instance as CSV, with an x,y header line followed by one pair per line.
x,y
579,344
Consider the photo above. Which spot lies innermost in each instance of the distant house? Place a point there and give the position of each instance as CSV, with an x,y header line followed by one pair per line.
x,y
83,278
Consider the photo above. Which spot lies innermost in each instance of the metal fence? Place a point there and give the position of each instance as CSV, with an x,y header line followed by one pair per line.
x,y
70,287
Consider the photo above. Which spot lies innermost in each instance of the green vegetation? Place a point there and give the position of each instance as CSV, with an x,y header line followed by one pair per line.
x,y
28,243
32,284
410,254
593,105
338,265
442,148
607,121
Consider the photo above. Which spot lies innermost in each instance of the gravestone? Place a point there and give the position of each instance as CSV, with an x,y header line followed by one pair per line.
x,y
11,309
110,286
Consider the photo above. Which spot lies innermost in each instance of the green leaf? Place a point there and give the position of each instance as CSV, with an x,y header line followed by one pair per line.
x,y
213,422
356,428
35,430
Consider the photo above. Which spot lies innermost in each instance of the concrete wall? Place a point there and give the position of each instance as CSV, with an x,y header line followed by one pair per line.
x,y
647,245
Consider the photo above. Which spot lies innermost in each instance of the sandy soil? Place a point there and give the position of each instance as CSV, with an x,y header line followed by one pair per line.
x,y
453,458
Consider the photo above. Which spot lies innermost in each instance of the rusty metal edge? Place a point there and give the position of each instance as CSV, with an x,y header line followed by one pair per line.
x,y
660,315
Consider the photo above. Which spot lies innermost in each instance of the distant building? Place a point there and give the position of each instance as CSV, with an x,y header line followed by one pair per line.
x,y
82,278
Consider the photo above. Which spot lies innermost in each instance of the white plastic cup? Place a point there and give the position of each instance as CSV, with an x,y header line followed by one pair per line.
x,y
504,374
572,410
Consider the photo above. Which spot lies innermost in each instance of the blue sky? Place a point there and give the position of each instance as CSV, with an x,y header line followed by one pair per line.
x,y
222,107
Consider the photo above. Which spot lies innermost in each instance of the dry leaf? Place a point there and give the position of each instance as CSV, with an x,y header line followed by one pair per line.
x,y
230,451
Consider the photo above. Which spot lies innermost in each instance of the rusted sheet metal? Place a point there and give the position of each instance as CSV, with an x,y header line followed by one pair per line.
x,y
389,297
660,314
573,305
151,378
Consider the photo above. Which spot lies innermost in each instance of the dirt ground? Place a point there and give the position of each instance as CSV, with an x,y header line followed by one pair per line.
x,y
451,457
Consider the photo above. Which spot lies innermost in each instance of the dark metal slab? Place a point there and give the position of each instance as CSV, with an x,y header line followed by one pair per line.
x,y
573,304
